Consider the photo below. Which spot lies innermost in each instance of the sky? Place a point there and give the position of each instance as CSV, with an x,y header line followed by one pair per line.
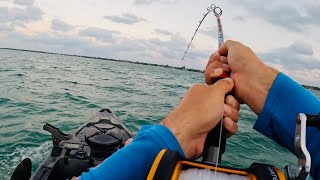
x,y
284,34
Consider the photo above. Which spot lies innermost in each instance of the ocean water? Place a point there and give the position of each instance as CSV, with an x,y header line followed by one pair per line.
x,y
37,88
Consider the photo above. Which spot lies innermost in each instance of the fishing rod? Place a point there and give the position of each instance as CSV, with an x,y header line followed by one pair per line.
x,y
216,139
217,12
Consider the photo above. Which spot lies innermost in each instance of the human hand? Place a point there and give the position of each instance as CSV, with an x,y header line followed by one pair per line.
x,y
253,79
128,141
199,111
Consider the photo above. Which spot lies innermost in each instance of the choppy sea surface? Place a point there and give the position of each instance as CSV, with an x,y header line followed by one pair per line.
x,y
37,88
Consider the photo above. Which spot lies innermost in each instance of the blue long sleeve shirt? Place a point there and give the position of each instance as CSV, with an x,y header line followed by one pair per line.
x,y
135,160
277,121
284,102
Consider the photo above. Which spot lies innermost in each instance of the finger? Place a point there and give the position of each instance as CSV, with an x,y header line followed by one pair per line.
x,y
223,86
231,112
226,67
224,59
214,57
230,126
217,64
128,141
213,66
214,70
231,101
223,50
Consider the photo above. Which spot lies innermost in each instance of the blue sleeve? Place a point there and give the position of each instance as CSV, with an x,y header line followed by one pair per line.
x,y
135,160
286,99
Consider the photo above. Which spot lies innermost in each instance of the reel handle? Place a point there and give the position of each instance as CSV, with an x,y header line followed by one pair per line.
x,y
211,145
313,120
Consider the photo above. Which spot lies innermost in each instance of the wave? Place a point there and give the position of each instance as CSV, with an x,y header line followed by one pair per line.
x,y
67,97
19,75
7,70
70,82
4,101
36,154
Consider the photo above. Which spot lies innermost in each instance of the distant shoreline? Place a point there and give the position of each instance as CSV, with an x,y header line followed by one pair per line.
x,y
109,59
136,62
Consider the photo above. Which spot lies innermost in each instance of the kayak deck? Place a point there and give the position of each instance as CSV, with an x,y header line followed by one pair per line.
x,y
75,153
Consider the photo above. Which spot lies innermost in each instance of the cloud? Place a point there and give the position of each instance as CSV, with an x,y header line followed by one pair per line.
x,y
238,18
297,61
212,32
286,14
125,18
5,27
18,16
140,2
209,31
302,48
154,50
310,77
99,34
163,32
24,2
173,50
30,13
50,42
4,14
297,56
59,25
57,40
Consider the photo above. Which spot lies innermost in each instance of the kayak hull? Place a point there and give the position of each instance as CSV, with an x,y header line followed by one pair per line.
x,y
87,147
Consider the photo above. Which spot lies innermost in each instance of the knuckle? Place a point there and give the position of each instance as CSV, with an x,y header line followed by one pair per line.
x,y
237,42
232,42
228,42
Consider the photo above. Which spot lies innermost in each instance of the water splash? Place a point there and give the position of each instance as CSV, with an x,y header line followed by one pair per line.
x,y
36,154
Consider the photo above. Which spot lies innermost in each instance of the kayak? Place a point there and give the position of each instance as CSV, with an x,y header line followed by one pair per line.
x,y
104,134
72,154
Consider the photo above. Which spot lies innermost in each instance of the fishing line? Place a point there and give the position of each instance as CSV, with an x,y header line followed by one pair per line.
x,y
204,16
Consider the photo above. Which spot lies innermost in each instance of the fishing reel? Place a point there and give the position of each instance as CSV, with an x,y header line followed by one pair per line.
x,y
171,165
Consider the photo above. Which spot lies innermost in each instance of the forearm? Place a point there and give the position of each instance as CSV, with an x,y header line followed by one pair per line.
x,y
277,120
135,160
262,84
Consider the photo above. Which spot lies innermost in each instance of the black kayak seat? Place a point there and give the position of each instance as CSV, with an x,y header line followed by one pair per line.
x,y
103,136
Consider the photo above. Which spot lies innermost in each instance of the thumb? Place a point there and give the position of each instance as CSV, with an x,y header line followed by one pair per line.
x,y
223,86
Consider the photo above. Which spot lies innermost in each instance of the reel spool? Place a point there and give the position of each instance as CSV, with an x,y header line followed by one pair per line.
x,y
169,165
